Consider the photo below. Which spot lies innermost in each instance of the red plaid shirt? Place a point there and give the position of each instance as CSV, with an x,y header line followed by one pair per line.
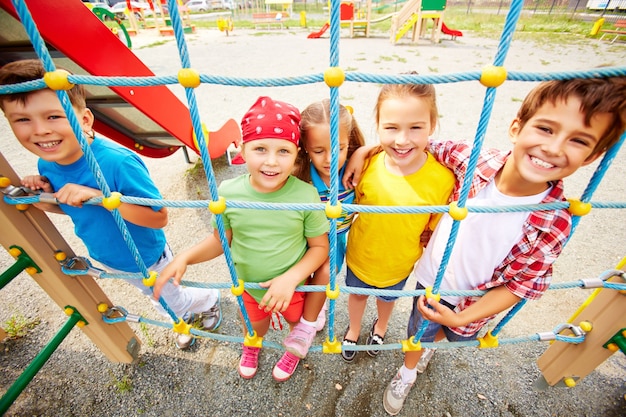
x,y
527,269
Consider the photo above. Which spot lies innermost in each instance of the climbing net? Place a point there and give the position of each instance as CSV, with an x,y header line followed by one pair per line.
x,y
334,77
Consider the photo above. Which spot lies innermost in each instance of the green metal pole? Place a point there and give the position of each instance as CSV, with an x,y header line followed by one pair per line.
x,y
22,262
14,270
29,373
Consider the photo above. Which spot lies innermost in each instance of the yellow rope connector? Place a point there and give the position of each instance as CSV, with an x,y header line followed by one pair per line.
x,y
429,294
569,382
103,308
60,256
218,207
253,341
150,280
586,326
334,76
493,76
189,78
238,289
181,327
456,212
4,182
22,207
333,212
113,201
332,294
331,347
488,341
408,345
577,207
57,80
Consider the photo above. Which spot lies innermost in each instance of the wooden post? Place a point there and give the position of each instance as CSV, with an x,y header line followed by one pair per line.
x,y
32,231
566,362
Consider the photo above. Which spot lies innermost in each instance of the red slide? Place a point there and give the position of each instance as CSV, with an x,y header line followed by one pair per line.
x,y
318,34
452,32
150,120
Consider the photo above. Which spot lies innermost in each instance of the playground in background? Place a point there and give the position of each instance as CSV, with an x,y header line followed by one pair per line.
x,y
413,16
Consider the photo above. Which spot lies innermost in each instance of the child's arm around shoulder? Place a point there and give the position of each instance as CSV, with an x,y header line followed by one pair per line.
x,y
281,289
203,251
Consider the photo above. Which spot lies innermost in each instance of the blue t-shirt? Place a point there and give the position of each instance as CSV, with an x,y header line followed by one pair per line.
x,y
126,173
345,220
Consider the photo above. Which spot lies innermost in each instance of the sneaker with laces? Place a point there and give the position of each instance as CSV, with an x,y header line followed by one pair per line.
x,y
299,340
212,318
285,367
424,359
374,339
249,362
395,394
321,318
208,320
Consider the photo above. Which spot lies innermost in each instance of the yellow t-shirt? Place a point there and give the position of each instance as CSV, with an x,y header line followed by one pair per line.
x,y
383,247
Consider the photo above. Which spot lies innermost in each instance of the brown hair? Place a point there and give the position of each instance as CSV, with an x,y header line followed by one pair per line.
x,y
30,70
423,91
316,114
597,95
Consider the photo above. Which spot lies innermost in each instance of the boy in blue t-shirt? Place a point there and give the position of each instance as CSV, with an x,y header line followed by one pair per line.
x,y
40,124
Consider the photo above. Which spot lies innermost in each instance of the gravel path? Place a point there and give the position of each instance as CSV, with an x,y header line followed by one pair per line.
x,y
79,381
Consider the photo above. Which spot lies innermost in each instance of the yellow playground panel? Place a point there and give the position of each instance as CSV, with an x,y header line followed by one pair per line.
x,y
414,15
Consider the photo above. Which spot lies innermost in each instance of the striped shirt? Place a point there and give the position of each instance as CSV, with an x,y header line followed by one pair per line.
x,y
527,269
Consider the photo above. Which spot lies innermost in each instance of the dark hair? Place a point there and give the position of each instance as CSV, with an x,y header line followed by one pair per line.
x,y
597,95
29,70
316,114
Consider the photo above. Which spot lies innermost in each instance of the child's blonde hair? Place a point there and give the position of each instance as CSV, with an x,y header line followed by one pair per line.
x,y
316,114
597,95
30,70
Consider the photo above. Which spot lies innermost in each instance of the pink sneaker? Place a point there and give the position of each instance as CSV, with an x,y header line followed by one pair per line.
x,y
249,362
285,367
321,319
299,340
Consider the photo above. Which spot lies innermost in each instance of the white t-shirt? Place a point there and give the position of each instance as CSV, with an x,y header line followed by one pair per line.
x,y
482,243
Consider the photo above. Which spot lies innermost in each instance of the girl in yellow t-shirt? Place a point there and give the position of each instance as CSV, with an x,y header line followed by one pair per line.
x,y
383,247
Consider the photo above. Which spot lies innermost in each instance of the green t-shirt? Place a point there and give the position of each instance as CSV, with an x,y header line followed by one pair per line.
x,y
266,243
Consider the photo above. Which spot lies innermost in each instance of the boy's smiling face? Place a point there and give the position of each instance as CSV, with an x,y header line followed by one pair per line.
x,y
269,162
41,126
552,145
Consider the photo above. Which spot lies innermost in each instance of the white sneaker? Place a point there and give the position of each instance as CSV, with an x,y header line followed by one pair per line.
x,y
395,394
424,359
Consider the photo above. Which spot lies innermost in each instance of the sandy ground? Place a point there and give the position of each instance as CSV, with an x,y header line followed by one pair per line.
x,y
78,380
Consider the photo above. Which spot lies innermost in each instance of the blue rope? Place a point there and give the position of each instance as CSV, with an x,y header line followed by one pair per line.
x,y
503,47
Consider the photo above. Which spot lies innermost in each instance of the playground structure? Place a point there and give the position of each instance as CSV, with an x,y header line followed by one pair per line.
x,y
151,120
414,15
33,243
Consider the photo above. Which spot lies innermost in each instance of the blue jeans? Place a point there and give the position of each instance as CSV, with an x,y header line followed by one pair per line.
x,y
416,320
354,281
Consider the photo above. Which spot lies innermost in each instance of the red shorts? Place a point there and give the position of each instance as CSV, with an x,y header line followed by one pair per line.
x,y
292,314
